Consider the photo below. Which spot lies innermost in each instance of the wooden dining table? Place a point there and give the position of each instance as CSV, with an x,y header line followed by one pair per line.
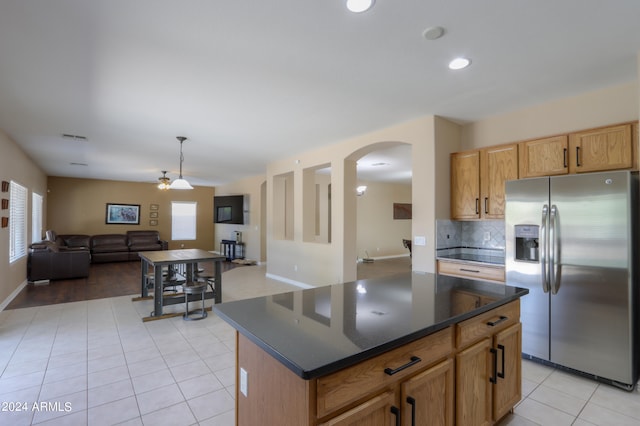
x,y
190,258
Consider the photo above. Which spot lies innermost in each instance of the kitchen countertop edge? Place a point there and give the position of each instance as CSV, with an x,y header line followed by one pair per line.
x,y
369,353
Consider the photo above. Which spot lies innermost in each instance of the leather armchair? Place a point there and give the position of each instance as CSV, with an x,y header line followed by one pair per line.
x,y
47,261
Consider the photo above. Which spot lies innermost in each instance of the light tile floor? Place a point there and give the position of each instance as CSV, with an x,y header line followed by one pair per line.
x,y
97,363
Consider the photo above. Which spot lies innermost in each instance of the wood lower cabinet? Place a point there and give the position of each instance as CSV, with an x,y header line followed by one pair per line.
x,y
489,367
471,270
381,410
441,379
426,398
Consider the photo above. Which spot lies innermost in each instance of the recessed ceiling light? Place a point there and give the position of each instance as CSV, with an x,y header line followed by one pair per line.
x,y
459,63
358,6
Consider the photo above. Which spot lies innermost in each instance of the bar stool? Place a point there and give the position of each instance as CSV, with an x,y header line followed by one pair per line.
x,y
194,288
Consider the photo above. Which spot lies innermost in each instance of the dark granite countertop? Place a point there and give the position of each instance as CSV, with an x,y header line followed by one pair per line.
x,y
318,331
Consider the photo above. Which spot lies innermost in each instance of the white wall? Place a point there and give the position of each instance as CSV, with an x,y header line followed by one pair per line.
x,y
378,233
599,108
321,264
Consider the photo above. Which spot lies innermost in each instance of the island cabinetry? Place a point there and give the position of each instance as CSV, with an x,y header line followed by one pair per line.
x,y
606,148
471,270
400,372
488,366
477,181
544,157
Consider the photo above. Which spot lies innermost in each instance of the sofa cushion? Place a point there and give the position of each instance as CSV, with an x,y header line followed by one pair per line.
x,y
75,241
109,243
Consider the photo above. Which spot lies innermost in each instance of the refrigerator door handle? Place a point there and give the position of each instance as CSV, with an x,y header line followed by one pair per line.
x,y
544,273
554,278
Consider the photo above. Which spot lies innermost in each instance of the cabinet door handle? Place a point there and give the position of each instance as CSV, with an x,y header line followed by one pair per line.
x,y
501,348
396,412
475,271
493,379
494,323
564,156
577,156
477,205
391,372
411,401
486,203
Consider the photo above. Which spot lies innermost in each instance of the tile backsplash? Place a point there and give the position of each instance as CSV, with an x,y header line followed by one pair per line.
x,y
452,233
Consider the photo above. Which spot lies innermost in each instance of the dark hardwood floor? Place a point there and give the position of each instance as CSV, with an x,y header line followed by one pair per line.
x,y
104,280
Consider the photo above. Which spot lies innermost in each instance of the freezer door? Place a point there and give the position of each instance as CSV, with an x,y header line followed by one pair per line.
x,y
525,202
590,306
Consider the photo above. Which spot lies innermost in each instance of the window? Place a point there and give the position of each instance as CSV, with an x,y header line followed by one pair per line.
x,y
36,217
17,222
183,220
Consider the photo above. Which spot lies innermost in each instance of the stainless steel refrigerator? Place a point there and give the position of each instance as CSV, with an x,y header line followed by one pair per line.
x,y
572,241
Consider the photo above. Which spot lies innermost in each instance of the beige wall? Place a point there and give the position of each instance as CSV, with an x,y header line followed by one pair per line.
x,y
251,232
16,165
599,108
378,233
78,206
321,264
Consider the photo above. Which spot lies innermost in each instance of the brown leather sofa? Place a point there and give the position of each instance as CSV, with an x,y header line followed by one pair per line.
x,y
48,260
69,256
124,247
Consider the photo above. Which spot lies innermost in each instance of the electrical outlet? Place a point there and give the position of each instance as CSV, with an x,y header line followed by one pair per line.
x,y
487,235
243,381
295,268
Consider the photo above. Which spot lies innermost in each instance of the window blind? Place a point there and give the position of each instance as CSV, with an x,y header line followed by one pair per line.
x,y
183,220
17,221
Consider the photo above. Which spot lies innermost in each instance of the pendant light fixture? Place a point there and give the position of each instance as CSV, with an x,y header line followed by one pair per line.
x,y
180,183
164,181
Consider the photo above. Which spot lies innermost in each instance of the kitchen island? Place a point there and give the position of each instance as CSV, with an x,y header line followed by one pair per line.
x,y
418,347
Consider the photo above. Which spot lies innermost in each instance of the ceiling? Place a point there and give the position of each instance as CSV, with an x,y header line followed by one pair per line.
x,y
249,82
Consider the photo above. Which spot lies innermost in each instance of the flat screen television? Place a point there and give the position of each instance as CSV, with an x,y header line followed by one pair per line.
x,y
228,209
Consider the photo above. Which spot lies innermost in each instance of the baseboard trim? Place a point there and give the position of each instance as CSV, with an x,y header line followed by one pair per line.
x,y
13,295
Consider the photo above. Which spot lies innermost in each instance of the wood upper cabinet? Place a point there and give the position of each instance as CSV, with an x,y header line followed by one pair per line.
x,y
477,181
606,148
497,165
465,185
544,157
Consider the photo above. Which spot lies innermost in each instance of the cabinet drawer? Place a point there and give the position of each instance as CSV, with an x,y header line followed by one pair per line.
x,y
471,270
487,324
353,383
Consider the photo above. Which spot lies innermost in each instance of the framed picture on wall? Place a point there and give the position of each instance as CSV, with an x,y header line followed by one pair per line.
x,y
153,207
123,214
153,215
153,222
402,211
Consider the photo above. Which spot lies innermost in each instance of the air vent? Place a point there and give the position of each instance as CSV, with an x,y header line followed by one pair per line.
x,y
75,137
